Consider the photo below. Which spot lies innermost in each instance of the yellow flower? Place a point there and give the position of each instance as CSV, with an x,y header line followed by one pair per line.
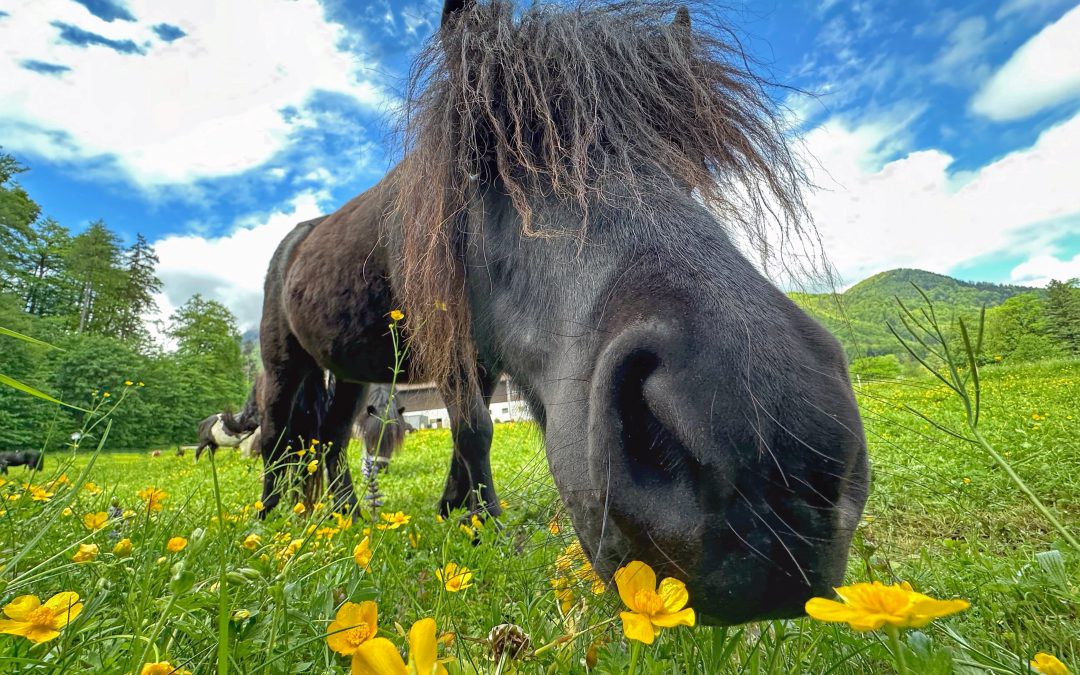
x,y
651,608
95,521
553,525
176,544
122,548
92,489
154,497
86,553
313,466
353,627
40,622
67,512
106,395
299,508
141,384
867,607
252,542
258,505
362,553
342,522
414,539
39,494
469,532
393,520
381,657
563,593
476,522
162,667
454,578
1048,664
397,315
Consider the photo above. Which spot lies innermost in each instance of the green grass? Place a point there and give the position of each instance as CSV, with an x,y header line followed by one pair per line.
x,y
262,611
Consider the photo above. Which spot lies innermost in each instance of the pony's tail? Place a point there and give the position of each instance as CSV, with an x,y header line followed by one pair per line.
x,y
248,419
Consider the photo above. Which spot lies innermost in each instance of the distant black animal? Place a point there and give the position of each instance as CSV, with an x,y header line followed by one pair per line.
x,y
381,440
213,434
575,179
29,458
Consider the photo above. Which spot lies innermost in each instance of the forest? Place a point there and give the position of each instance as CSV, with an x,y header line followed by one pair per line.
x,y
87,298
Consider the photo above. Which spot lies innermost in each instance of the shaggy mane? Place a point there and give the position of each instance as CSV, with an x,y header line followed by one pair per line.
x,y
560,101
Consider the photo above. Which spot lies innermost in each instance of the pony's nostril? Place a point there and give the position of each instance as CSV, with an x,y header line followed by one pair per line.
x,y
652,450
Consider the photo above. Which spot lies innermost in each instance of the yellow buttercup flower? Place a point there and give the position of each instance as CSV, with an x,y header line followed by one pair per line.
x,y
154,497
39,494
381,657
95,521
176,544
397,315
122,548
393,520
871,606
651,608
299,508
67,512
313,466
1048,664
91,488
38,622
362,553
163,668
342,522
414,539
252,542
128,383
258,505
86,553
454,578
353,627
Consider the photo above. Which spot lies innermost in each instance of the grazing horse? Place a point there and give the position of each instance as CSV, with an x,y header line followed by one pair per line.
x,y
28,458
214,434
564,213
382,426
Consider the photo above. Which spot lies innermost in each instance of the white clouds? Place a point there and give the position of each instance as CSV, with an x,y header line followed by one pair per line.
x,y
231,268
208,104
962,58
1040,269
878,213
1044,72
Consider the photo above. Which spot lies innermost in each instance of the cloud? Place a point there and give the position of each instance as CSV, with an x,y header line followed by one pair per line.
x,y
1042,73
885,205
230,268
206,106
962,60
1041,269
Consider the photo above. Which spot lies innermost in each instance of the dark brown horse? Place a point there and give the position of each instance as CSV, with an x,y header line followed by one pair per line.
x,y
31,459
382,426
563,214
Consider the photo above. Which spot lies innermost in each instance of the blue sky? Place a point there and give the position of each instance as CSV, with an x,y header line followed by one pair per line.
x,y
944,136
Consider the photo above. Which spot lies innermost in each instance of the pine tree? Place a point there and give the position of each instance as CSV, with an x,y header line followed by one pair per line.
x,y
45,284
93,262
1063,313
137,295
17,213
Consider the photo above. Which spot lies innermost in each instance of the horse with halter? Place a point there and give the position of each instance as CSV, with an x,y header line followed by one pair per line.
x,y
563,213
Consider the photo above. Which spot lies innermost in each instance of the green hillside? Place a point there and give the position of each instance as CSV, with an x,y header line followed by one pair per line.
x,y
858,316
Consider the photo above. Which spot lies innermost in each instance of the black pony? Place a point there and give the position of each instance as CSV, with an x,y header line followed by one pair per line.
x,y
382,426
563,214
28,458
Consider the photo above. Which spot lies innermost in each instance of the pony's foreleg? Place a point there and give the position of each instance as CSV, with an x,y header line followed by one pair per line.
x,y
336,432
469,483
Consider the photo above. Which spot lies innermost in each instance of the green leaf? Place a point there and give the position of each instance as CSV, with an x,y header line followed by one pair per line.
x,y
4,379
26,338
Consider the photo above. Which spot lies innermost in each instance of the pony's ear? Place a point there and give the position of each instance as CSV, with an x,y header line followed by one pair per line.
x,y
371,410
682,18
451,6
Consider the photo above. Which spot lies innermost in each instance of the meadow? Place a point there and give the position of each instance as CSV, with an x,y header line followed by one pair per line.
x,y
259,596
